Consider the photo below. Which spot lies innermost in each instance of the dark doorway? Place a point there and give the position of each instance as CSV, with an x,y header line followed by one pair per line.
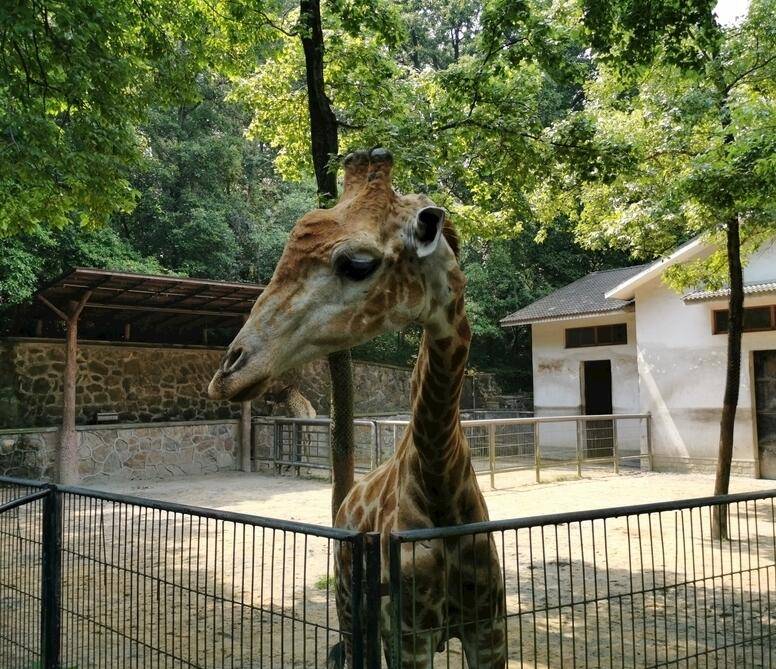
x,y
765,410
597,396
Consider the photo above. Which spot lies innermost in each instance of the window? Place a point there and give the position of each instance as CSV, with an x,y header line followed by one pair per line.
x,y
601,335
756,319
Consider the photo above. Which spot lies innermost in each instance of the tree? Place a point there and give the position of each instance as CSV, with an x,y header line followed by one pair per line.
x,y
75,77
676,140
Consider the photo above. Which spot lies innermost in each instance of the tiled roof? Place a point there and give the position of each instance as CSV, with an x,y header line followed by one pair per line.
x,y
584,297
749,289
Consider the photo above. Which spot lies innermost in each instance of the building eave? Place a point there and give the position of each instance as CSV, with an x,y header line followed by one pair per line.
x,y
506,323
689,251
752,289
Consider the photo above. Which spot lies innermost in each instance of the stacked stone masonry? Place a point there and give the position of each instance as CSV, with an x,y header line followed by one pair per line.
x,y
167,426
129,452
153,384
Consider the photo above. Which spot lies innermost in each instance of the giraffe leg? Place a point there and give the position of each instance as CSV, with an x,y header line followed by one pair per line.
x,y
483,610
341,654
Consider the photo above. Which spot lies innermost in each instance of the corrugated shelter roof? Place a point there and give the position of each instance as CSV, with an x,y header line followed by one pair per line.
x,y
150,303
584,297
764,288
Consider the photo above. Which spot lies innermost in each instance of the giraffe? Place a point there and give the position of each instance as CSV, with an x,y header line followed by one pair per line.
x,y
374,263
288,401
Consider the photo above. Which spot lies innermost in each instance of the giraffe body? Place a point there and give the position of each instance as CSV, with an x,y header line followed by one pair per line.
x,y
374,263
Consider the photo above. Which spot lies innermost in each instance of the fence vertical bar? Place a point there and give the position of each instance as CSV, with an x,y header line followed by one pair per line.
x,y
51,582
492,454
537,454
615,447
356,594
394,566
578,425
373,645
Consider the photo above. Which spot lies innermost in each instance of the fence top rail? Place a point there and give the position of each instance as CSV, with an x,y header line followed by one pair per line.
x,y
214,514
306,421
466,423
27,483
21,501
531,420
578,516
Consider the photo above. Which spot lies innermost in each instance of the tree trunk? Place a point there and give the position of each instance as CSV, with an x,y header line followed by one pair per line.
x,y
733,378
324,144
323,123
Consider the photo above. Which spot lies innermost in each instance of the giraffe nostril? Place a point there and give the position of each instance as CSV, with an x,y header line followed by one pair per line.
x,y
234,359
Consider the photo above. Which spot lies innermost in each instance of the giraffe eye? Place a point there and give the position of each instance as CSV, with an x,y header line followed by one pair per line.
x,y
355,269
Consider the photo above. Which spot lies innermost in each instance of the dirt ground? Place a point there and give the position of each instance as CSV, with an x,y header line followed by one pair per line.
x,y
516,494
145,587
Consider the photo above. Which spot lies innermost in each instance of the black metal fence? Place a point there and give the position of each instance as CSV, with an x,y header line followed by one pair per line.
x,y
91,579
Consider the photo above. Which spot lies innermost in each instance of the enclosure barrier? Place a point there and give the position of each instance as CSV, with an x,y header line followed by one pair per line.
x,y
97,580
92,580
498,445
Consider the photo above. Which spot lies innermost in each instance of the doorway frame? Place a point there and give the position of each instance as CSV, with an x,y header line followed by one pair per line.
x,y
753,410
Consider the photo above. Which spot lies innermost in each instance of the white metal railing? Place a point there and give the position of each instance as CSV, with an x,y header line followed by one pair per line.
x,y
497,445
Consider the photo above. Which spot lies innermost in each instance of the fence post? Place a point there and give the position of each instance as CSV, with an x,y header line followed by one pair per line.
x,y
394,567
649,442
277,444
246,436
537,455
492,454
51,582
296,439
357,593
376,449
372,654
578,424
615,447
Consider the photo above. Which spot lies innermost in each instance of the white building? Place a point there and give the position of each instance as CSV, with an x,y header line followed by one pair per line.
x,y
621,341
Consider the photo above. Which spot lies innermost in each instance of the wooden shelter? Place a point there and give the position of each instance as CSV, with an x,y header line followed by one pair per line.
x,y
153,307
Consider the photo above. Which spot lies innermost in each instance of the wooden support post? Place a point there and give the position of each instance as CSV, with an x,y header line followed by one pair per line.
x,y
68,437
246,436
127,331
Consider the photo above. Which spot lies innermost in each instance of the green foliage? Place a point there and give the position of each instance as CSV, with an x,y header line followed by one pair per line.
x,y
75,76
210,203
678,155
30,258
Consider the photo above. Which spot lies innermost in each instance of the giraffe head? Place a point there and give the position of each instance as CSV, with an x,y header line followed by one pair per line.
x,y
375,262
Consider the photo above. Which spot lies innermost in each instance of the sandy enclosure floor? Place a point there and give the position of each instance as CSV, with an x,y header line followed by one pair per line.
x,y
144,587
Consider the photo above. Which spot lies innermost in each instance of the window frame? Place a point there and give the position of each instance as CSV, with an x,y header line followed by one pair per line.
x,y
772,327
595,329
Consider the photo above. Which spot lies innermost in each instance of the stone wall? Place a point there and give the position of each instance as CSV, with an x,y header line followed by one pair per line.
x,y
130,452
140,383
28,453
143,383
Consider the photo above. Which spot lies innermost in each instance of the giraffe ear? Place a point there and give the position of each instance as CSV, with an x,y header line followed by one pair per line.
x,y
427,230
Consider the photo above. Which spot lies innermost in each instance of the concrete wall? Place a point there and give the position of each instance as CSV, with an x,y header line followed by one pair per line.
x,y
557,369
682,374
126,451
557,373
153,384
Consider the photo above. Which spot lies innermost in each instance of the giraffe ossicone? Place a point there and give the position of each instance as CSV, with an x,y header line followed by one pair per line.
x,y
377,262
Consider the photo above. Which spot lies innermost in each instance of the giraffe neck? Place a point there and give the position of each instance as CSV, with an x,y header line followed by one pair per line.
x,y
436,391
